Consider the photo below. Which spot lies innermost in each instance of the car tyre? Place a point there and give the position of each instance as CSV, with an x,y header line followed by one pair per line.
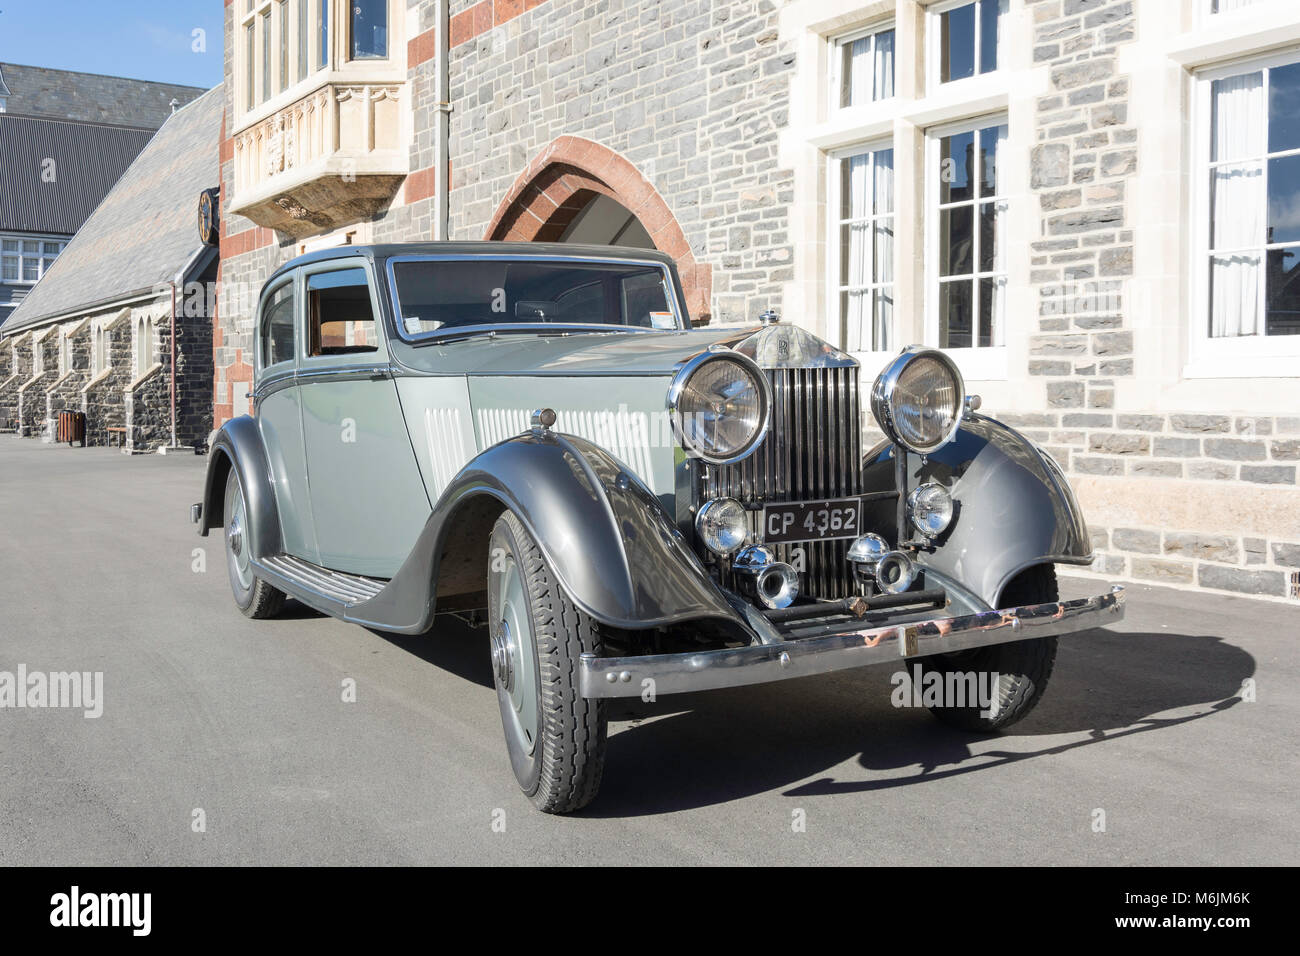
x,y
1023,667
255,597
555,737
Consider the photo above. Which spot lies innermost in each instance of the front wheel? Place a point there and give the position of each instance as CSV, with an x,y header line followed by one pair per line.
x,y
1021,668
555,737
255,597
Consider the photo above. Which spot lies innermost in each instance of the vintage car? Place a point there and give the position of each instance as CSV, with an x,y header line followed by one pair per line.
x,y
535,435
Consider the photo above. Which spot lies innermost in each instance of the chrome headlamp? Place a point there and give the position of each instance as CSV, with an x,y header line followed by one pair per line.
x,y
722,525
919,399
720,405
930,509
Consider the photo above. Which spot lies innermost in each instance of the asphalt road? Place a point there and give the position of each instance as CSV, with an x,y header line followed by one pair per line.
x,y
245,721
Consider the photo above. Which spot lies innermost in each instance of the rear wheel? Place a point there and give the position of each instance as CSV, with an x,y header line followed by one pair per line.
x,y
1022,668
555,737
255,597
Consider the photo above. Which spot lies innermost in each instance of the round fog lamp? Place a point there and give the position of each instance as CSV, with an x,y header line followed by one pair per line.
x,y
930,508
722,526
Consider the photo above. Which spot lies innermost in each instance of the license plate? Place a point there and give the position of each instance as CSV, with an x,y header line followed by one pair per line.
x,y
812,520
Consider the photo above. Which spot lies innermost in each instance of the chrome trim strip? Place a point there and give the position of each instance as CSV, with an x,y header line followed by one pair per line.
x,y
332,585
343,373
759,663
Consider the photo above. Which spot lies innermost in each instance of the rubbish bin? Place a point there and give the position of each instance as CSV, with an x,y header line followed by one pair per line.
x,y
72,427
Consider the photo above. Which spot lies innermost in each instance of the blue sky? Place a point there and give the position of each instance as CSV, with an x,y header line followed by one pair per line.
x,y
142,39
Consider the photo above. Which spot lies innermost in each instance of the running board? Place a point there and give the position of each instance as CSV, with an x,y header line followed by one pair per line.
x,y
337,586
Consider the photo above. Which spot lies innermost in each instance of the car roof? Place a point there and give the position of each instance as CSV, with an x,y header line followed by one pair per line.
x,y
381,251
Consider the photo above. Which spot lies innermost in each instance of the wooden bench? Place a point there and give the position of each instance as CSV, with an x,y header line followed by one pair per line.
x,y
122,431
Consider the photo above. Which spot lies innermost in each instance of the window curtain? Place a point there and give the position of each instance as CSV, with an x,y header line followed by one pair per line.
x,y
859,250
884,65
1237,205
860,72
884,249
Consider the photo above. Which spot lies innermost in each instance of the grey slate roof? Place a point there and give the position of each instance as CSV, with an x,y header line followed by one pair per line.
x,y
89,97
145,231
87,161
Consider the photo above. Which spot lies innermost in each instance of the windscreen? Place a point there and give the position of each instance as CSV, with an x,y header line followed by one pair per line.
x,y
443,295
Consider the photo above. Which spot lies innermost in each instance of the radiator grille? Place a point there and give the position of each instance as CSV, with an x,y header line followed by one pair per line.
x,y
812,451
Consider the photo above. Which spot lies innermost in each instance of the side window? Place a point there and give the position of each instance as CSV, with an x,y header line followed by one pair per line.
x,y
339,315
277,327
645,301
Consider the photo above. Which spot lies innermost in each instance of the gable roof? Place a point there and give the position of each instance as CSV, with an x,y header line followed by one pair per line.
x,y
144,232
90,97
54,173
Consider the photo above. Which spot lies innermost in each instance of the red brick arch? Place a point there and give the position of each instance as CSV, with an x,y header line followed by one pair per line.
x,y
568,174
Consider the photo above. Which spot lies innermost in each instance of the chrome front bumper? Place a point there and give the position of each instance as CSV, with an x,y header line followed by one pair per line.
x,y
758,663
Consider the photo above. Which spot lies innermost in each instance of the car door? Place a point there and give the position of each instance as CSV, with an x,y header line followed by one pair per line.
x,y
368,499
276,407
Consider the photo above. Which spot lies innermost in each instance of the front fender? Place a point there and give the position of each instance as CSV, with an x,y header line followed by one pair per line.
x,y
1014,508
238,445
609,541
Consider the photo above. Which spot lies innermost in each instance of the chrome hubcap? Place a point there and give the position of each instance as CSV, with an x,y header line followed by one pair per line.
x,y
512,661
240,569
502,663
235,536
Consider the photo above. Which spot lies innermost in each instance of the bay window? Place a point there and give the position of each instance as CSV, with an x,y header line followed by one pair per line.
x,y
864,234
283,42
369,27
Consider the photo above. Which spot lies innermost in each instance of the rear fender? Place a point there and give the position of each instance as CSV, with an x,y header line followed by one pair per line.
x,y
238,445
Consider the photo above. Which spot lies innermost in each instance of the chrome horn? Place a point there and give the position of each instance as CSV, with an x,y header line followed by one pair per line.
x,y
774,584
874,563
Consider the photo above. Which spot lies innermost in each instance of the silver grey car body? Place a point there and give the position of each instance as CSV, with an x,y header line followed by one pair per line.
x,y
372,475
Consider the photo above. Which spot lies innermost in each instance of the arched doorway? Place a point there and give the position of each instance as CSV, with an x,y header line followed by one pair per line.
x,y
576,190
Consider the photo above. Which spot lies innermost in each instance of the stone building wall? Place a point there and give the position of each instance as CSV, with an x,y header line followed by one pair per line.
x,y
102,398
12,370
31,390
692,94
64,394
117,398
1084,169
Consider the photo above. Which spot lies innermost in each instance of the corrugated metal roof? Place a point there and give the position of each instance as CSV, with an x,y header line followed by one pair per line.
x,y
54,173
145,231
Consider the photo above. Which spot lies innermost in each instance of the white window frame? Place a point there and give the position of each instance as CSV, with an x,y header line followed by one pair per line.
x,y
1253,356
833,285
283,88
837,64
934,43
338,66
1208,7
21,256
978,363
